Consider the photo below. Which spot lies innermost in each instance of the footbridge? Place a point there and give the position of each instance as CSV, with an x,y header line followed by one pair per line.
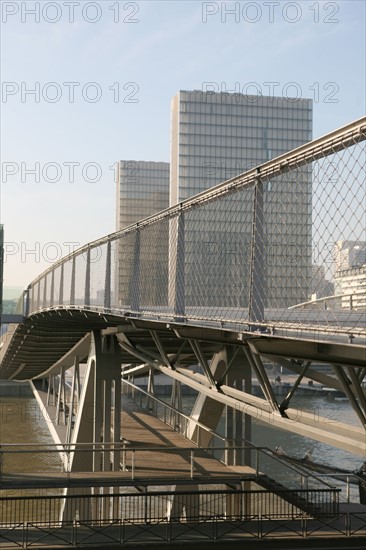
x,y
267,267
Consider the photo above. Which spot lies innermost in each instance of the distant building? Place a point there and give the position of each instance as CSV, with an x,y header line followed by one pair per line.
x,y
351,284
320,286
214,137
348,254
142,190
350,274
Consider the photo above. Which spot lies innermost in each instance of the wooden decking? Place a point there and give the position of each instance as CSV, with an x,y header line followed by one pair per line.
x,y
166,452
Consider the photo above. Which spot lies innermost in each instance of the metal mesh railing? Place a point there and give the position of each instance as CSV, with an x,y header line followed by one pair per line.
x,y
281,247
158,506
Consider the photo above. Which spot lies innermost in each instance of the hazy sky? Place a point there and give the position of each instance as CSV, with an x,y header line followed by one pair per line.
x,y
85,84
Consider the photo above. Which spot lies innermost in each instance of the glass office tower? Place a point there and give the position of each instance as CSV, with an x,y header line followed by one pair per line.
x,y
142,190
214,137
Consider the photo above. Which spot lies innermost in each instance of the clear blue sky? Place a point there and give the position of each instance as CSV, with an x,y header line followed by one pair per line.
x,y
144,52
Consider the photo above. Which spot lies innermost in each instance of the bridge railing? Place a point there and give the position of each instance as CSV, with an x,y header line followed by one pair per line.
x,y
243,254
355,301
133,507
50,466
170,415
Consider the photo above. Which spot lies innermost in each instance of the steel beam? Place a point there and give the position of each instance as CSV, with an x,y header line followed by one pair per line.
x,y
255,360
339,435
81,349
229,366
160,347
317,376
203,362
75,382
72,286
345,383
308,350
357,388
61,289
285,403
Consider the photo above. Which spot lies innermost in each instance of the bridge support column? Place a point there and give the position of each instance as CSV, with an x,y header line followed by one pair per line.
x,y
238,505
151,403
176,402
208,411
232,367
98,421
186,506
238,426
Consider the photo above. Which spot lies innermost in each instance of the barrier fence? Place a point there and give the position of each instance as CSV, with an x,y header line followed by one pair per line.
x,y
166,517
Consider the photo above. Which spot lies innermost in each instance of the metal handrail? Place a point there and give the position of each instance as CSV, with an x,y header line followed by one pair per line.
x,y
361,293
173,409
123,446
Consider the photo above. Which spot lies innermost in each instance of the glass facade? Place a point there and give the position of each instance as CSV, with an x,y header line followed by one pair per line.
x,y
216,136
142,190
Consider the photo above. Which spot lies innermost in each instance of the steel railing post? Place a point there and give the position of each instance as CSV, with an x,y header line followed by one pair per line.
x,y
145,506
256,293
87,280
52,292
61,288
133,465
73,277
179,286
44,303
124,457
134,286
108,277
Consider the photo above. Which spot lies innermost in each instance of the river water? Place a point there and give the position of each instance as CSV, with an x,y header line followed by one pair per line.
x,y
325,411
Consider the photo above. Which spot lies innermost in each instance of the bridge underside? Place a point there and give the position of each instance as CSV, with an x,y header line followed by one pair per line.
x,y
44,338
